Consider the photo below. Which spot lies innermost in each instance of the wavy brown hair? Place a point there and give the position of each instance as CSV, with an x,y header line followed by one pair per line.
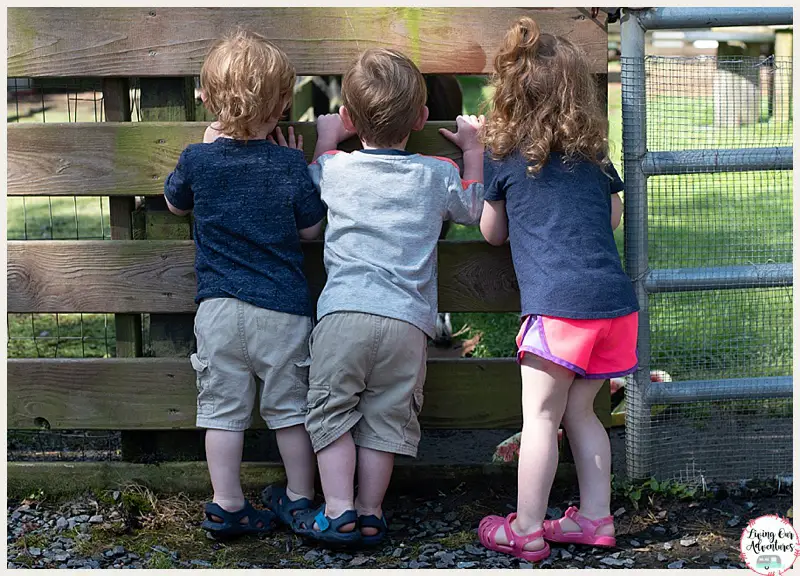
x,y
246,81
545,100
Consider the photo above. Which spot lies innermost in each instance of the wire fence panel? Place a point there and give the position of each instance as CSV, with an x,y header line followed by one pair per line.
x,y
59,218
725,102
706,221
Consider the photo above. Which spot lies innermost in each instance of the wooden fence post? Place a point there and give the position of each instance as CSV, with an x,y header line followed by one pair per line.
x,y
117,104
166,100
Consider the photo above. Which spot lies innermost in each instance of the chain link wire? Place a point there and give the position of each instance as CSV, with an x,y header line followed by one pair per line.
x,y
698,220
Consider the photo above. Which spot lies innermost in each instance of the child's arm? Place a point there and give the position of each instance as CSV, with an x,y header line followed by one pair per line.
x,y
309,210
494,222
178,190
311,233
615,188
466,138
330,133
465,195
616,211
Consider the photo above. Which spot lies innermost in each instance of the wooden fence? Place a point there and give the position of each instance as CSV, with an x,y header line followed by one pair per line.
x,y
147,267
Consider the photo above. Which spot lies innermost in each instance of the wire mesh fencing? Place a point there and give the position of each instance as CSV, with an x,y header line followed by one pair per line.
x,y
60,218
710,221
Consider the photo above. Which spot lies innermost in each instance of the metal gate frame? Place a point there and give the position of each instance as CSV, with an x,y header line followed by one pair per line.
x,y
639,164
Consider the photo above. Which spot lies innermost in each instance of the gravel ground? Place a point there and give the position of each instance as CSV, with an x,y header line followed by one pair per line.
x,y
431,527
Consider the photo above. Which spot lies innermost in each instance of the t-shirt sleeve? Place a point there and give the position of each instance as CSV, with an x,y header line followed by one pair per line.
x,y
616,181
464,199
177,187
495,181
308,207
315,168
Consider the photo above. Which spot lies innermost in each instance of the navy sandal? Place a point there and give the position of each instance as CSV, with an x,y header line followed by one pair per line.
x,y
379,524
328,533
230,523
276,499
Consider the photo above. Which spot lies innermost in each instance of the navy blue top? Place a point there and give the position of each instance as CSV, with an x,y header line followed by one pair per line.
x,y
249,200
562,243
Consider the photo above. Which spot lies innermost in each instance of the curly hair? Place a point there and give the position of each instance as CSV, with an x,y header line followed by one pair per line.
x,y
545,100
246,81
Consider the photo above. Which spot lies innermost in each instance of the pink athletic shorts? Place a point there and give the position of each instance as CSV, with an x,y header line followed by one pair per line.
x,y
593,349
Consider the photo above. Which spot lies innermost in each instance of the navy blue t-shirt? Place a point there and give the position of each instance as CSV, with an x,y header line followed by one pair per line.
x,y
249,199
562,243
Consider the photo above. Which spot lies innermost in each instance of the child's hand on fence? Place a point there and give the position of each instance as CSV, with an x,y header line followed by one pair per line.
x,y
466,135
330,128
296,143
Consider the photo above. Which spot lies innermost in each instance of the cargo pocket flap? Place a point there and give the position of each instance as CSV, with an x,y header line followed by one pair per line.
x,y
304,363
198,364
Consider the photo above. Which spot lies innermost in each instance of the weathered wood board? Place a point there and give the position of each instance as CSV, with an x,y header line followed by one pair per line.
x,y
159,41
160,393
158,276
133,159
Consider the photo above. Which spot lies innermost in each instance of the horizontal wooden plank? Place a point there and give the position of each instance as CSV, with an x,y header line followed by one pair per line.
x,y
157,276
145,41
160,393
133,159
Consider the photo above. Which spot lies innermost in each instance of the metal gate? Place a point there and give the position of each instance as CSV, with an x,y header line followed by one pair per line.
x,y
647,401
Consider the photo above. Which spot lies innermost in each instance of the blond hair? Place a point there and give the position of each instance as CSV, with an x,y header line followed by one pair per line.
x,y
246,81
384,93
545,100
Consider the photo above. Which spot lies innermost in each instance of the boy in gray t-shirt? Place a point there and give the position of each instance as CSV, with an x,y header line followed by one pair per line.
x,y
379,305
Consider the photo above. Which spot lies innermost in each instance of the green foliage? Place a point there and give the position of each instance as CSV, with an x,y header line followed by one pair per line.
x,y
161,561
651,489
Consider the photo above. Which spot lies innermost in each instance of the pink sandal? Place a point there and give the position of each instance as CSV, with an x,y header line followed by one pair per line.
x,y
487,530
586,535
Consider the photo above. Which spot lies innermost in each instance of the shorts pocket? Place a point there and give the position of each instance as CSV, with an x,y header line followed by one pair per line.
x,y
417,399
205,399
301,369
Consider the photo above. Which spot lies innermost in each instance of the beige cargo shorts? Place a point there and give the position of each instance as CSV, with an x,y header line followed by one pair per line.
x,y
245,352
367,374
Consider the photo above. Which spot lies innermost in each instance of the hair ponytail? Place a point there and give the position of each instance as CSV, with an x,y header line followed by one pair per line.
x,y
522,41
545,100
526,34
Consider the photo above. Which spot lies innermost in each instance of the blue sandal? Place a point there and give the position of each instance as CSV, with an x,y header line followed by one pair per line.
x,y
258,521
379,524
328,533
278,502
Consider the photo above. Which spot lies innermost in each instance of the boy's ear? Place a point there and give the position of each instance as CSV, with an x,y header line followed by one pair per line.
x,y
346,120
203,96
423,117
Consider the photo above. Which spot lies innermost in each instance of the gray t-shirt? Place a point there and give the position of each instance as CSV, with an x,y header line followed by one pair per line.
x,y
385,212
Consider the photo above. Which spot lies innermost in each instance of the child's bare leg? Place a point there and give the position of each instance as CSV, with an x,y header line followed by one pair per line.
x,y
591,449
298,460
337,467
374,473
545,388
224,457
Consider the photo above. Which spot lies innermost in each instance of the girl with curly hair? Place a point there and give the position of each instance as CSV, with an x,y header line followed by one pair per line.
x,y
551,190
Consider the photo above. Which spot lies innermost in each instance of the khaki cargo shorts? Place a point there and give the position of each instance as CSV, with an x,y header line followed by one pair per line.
x,y
367,374
245,352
